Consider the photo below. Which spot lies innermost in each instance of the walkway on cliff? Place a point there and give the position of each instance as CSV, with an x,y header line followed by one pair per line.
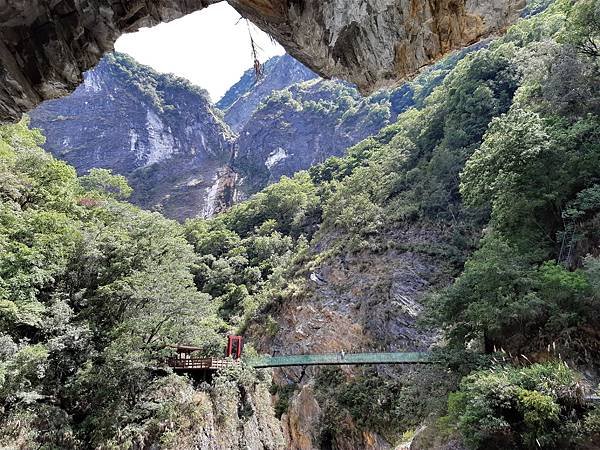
x,y
259,362
339,359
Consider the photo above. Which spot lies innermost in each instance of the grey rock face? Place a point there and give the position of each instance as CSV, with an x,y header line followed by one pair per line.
x,y
301,126
159,131
242,99
46,46
357,302
365,302
229,416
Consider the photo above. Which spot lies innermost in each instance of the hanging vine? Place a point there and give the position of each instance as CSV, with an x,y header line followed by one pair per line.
x,y
258,68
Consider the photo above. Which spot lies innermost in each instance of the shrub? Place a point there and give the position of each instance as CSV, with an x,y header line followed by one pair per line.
x,y
539,406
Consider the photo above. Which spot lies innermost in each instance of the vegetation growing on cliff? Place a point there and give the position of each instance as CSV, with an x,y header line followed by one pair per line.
x,y
506,150
537,406
513,132
245,253
91,289
306,123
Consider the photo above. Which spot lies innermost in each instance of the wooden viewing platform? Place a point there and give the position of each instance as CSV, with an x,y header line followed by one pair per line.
x,y
191,364
185,362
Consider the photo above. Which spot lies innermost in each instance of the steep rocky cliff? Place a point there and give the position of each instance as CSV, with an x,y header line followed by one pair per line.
x,y
448,211
45,47
159,131
242,99
234,413
304,125
376,43
351,302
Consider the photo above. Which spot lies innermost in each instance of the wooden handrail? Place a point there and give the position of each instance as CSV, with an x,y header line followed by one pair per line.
x,y
200,363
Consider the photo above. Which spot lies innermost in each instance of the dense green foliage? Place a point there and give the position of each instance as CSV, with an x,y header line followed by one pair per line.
x,y
521,407
502,159
388,406
103,182
90,291
507,144
245,253
530,282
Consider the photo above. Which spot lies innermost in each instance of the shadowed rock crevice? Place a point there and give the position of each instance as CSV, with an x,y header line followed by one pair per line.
x,y
46,46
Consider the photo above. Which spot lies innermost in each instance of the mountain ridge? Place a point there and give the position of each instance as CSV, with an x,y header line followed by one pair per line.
x,y
242,99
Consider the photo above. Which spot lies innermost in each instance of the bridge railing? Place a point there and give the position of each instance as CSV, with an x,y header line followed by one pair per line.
x,y
180,363
339,359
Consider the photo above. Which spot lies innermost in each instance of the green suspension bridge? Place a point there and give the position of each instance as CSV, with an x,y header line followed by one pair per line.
x,y
339,359
186,362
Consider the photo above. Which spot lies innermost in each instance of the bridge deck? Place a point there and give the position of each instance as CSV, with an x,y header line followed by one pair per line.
x,y
203,364
338,359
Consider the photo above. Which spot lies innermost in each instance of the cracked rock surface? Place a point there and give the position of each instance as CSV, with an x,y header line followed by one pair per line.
x,y
375,43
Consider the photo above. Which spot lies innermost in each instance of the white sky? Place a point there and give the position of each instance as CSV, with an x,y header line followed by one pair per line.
x,y
209,47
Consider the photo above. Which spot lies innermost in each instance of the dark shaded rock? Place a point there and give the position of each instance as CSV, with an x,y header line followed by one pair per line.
x,y
302,126
376,43
46,46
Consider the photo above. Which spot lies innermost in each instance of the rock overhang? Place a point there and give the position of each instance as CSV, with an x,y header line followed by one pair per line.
x,y
45,46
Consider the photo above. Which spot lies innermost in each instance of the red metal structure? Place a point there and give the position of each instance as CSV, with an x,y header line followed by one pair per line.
x,y
234,347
